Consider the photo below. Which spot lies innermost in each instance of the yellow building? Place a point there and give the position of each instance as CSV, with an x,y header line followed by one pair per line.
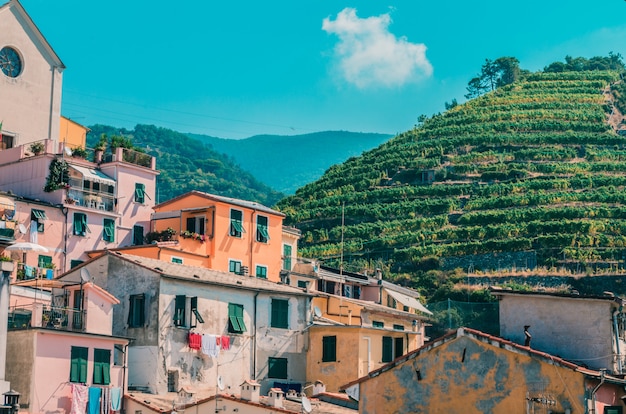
x,y
352,337
72,134
468,371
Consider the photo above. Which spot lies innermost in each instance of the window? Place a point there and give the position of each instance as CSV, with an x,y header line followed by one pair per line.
x,y
234,266
78,364
236,223
101,366
398,327
357,292
38,216
44,262
280,313
74,263
136,311
398,345
140,193
108,233
326,286
186,313
303,284
137,235
235,318
391,302
378,324
329,349
261,271
387,349
262,234
6,142
196,224
277,368
286,257
615,409
347,291
177,260
80,224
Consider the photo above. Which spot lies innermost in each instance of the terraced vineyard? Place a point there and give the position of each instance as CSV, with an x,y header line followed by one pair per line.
x,y
534,166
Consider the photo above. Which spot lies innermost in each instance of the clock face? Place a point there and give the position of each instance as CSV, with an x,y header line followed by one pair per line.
x,y
10,62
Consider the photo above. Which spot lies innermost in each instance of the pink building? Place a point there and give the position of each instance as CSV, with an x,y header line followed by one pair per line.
x,y
67,343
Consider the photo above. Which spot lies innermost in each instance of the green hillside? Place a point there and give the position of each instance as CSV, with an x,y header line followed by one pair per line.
x,y
532,170
187,164
295,160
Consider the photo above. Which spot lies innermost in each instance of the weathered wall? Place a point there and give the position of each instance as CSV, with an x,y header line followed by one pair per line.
x,y
20,362
584,325
469,376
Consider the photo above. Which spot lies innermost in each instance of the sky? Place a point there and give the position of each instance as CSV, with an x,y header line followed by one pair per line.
x,y
245,68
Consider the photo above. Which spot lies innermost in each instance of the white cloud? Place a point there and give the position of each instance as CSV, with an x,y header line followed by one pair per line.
x,y
368,55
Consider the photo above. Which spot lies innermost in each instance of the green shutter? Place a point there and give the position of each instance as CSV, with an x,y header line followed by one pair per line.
x,y
286,257
44,261
78,364
280,313
83,219
101,366
137,235
329,349
78,225
235,318
140,193
191,224
277,368
387,349
109,230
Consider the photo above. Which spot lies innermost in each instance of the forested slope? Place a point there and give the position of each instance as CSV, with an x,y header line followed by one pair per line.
x,y
533,166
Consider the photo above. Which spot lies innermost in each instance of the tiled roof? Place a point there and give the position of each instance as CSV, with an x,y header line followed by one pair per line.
x,y
492,340
234,201
204,275
608,296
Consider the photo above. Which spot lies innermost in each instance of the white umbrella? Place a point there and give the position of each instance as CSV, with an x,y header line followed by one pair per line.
x,y
26,247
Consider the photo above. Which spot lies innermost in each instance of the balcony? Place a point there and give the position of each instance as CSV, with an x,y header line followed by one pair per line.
x,y
40,315
25,272
89,199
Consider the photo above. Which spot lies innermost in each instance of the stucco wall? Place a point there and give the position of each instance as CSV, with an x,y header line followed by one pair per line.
x,y
469,376
573,328
20,362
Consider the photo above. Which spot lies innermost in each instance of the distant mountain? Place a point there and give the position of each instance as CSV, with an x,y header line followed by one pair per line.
x,y
287,163
187,164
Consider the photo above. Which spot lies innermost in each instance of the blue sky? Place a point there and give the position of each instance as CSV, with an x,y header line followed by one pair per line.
x,y
237,69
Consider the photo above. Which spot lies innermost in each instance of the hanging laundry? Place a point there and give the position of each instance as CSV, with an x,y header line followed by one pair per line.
x,y
28,271
105,401
116,398
80,395
195,340
93,407
209,346
225,341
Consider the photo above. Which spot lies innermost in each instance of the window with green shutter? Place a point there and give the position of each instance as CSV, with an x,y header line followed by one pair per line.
x,y
329,348
186,313
235,318
137,235
234,266
286,257
44,262
180,303
378,324
387,349
140,193
398,327
108,233
280,313
74,263
262,234
80,224
177,260
236,223
277,368
101,366
39,216
261,272
78,364
136,311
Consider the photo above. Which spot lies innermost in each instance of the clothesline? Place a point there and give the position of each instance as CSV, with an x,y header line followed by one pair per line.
x,y
208,344
95,400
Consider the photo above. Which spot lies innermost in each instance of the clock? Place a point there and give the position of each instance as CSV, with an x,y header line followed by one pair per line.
x,y
10,62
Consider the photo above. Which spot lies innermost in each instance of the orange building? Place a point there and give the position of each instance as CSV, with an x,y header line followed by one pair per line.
x,y
221,233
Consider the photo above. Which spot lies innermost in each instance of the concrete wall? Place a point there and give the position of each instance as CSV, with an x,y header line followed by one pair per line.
x,y
469,376
31,103
573,328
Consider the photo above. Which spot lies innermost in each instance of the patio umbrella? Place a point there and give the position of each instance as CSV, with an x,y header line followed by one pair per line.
x,y
26,247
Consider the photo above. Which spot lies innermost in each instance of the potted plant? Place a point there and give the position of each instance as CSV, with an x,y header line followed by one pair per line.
x,y
99,149
36,147
79,152
6,264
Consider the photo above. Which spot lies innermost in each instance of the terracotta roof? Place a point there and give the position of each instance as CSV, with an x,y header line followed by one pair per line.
x,y
234,201
492,340
608,296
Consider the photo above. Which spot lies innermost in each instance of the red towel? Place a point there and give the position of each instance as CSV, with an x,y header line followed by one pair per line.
x,y
225,341
195,340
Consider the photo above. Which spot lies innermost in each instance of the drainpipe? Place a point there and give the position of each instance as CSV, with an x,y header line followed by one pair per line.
x,y
593,392
125,351
64,210
254,338
616,334
252,237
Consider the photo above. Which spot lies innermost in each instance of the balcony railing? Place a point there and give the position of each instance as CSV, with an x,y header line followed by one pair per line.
x,y
89,199
39,315
26,272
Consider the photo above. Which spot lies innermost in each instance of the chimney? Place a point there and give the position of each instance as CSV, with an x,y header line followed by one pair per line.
x,y
276,397
250,391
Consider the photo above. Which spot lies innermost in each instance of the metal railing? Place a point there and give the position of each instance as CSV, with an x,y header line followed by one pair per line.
x,y
40,315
